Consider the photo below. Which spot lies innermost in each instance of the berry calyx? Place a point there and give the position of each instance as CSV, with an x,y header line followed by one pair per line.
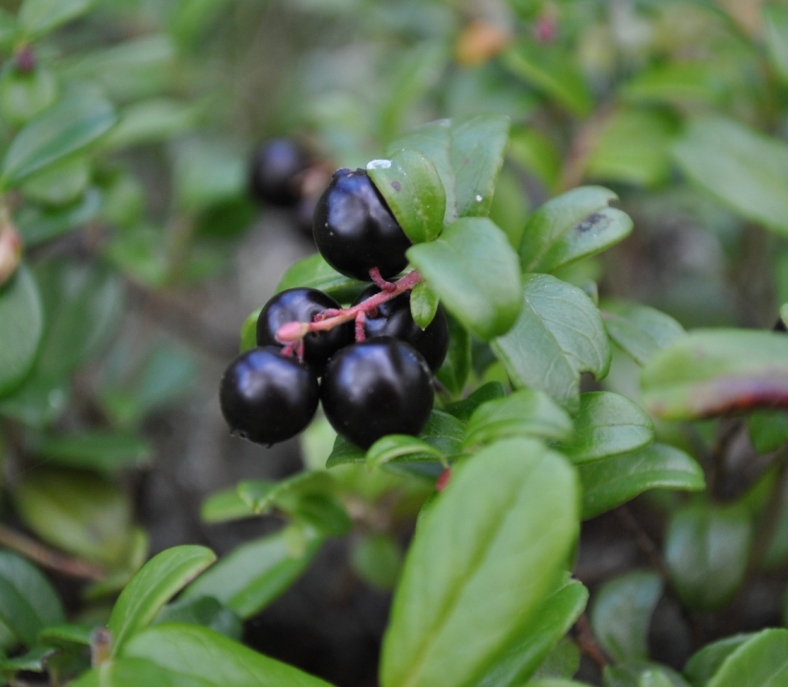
x,y
275,170
377,387
393,318
303,305
267,397
354,229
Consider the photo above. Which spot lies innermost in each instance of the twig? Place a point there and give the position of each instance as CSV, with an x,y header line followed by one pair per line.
x,y
294,331
643,540
585,641
48,558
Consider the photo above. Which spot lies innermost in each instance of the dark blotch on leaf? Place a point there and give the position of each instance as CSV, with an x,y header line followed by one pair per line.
x,y
396,185
589,222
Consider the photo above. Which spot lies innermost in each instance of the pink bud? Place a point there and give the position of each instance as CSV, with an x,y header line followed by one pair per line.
x,y
292,332
10,251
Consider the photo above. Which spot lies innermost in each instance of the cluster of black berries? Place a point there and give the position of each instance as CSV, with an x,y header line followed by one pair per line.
x,y
370,388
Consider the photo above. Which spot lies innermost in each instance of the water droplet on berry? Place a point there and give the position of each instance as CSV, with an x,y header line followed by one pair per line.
x,y
378,164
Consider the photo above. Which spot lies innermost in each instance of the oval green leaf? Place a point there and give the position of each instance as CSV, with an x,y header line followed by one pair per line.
x,y
611,482
526,413
744,169
256,573
401,446
315,273
28,603
607,424
152,586
621,614
706,550
639,330
713,372
423,305
22,316
483,561
475,273
412,188
558,335
68,126
761,661
37,17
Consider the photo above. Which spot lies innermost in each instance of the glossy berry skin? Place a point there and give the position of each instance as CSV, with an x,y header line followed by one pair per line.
x,y
393,318
267,397
275,167
355,231
301,305
377,387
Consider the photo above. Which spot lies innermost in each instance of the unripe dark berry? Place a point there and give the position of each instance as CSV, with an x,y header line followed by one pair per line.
x,y
274,172
267,397
301,305
377,387
354,229
393,318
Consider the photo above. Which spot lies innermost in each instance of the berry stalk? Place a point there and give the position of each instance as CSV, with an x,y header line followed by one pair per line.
x,y
292,332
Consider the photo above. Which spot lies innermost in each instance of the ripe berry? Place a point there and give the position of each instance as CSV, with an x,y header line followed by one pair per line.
x,y
276,165
267,397
377,387
354,229
301,305
393,318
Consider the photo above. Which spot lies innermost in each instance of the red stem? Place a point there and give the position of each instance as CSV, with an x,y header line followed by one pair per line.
x,y
295,331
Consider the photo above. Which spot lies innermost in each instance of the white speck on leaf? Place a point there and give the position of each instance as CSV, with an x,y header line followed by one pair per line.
x,y
478,199
378,164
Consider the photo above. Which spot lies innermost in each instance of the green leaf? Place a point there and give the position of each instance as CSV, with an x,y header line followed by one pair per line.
x,y
775,20
456,367
761,661
32,661
412,188
23,323
100,450
202,610
675,83
475,273
768,430
28,603
344,452
249,331
535,151
154,585
524,413
561,663
556,682
66,636
633,147
572,226
706,550
611,482
402,447
315,273
59,184
81,513
482,563
377,559
23,96
38,224
606,425
187,654
423,305
702,666
37,17
552,70
525,654
263,496
150,121
713,372
467,154
621,614
463,409
68,126
225,505
641,674
639,330
256,573
558,335
477,152
741,167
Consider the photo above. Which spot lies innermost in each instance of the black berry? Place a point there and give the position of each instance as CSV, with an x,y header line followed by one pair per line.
x,y
276,166
267,397
377,387
354,229
393,318
301,305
